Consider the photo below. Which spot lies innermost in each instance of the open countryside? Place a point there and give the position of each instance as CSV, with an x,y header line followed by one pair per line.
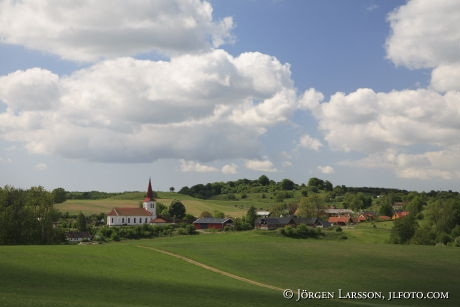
x,y
322,266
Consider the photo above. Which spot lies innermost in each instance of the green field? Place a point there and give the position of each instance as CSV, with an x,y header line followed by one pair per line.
x,y
128,273
193,206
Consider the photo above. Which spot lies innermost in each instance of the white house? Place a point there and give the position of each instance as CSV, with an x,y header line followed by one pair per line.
x,y
135,216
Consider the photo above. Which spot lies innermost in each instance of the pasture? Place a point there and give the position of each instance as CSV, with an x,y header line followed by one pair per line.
x,y
130,273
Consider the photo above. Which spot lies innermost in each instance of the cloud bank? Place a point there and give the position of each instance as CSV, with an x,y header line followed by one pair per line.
x,y
198,107
91,30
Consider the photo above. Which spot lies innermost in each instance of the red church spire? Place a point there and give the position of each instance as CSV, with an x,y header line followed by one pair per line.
x,y
149,192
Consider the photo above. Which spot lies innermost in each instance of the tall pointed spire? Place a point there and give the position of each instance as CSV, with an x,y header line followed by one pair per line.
x,y
150,191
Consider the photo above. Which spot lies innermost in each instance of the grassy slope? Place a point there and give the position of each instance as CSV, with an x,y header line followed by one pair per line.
x,y
122,274
193,206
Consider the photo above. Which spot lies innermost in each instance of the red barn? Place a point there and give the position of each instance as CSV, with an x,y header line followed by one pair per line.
x,y
212,223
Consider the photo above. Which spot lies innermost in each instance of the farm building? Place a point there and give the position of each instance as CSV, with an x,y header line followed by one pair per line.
x,y
270,223
135,216
212,223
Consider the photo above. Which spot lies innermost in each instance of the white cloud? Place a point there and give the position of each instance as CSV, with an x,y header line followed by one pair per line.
x,y
425,34
34,89
371,122
192,166
446,77
91,30
326,169
386,127
309,142
230,169
128,110
261,165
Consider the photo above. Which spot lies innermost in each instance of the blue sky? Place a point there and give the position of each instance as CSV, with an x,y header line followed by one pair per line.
x,y
102,95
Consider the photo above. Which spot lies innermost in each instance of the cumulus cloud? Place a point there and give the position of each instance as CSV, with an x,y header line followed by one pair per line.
x,y
230,169
309,142
129,110
413,132
446,77
368,121
96,29
261,165
425,33
326,169
193,166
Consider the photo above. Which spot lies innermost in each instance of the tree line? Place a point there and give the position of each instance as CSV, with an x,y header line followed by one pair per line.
x,y
27,216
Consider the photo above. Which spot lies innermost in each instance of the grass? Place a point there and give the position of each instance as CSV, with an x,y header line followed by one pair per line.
x,y
122,274
192,205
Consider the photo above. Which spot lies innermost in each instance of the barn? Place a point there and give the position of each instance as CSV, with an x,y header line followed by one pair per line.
x,y
212,223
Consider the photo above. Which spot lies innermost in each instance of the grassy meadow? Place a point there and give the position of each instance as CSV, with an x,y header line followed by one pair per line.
x,y
128,273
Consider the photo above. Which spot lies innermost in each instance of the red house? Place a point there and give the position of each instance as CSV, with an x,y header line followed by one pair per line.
x,y
340,220
212,223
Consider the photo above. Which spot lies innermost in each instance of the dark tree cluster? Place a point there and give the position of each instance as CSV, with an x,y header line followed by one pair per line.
x,y
27,216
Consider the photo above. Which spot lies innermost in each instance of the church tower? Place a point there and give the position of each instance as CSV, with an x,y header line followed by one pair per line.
x,y
149,202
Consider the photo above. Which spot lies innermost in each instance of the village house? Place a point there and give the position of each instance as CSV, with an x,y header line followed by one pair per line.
x,y
212,223
135,216
401,214
271,223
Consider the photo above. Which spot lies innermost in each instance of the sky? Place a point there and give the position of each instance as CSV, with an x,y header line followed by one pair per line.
x,y
105,94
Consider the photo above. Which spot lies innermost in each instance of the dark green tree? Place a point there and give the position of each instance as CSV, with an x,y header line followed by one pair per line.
x,y
251,216
59,195
81,222
287,184
403,229
177,209
263,180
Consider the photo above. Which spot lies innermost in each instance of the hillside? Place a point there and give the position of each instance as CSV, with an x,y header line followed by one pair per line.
x,y
99,275
194,206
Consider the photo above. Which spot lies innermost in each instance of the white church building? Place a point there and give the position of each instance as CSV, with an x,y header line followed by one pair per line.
x,y
135,216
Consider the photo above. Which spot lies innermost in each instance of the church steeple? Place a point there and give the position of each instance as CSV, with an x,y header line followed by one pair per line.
x,y
149,202
149,192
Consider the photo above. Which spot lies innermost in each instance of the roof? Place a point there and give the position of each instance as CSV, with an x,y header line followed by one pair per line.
x,y
338,211
212,220
276,220
129,212
339,219
159,220
149,192
263,213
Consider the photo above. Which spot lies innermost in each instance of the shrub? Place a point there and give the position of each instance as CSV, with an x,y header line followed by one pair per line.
x,y
301,231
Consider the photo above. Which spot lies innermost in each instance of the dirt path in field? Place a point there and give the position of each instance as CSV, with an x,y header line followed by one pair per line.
x,y
210,268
